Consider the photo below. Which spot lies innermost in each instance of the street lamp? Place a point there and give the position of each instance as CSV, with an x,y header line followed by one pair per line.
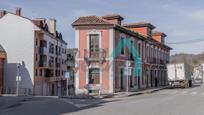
x,y
18,79
127,68
67,75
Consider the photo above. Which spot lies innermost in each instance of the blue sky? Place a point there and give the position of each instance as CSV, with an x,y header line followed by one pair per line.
x,y
181,20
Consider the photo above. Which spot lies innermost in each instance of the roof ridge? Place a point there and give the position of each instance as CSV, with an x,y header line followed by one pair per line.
x,y
1,48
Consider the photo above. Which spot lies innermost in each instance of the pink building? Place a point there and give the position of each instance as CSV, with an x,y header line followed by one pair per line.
x,y
97,39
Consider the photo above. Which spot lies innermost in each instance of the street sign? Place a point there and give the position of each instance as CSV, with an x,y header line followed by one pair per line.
x,y
67,75
18,78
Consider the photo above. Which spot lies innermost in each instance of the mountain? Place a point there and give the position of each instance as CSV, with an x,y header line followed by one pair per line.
x,y
192,59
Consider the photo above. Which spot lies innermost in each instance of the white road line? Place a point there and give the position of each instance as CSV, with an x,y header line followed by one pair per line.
x,y
80,105
71,103
76,105
193,93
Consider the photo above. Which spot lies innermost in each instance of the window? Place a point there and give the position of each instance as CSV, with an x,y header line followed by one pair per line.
x,y
122,46
139,48
36,42
94,45
36,57
43,43
51,48
94,76
40,72
36,72
131,50
93,42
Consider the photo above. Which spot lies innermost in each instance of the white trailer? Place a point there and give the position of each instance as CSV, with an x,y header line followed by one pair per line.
x,y
179,75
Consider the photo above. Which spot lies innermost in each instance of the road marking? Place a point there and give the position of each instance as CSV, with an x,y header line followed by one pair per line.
x,y
174,92
80,105
202,94
76,105
164,92
193,93
184,92
69,102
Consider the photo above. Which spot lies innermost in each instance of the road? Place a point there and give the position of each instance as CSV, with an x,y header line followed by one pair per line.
x,y
165,102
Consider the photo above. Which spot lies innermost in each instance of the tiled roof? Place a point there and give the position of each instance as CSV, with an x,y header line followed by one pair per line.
x,y
1,48
39,22
113,16
139,24
158,33
91,20
95,20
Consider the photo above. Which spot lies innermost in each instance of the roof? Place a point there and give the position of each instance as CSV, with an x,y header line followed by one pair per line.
x,y
1,48
113,16
90,20
99,21
157,33
139,24
36,22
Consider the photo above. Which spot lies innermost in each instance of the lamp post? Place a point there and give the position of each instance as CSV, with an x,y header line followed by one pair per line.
x,y
18,78
202,73
127,65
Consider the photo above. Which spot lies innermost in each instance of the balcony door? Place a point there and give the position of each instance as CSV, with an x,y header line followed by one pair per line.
x,y
94,45
94,76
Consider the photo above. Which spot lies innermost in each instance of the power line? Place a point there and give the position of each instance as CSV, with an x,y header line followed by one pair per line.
x,y
187,41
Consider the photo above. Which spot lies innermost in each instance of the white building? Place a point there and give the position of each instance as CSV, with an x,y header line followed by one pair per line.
x,y
38,49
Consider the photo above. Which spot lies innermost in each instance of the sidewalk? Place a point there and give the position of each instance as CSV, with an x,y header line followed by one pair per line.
x,y
139,92
118,94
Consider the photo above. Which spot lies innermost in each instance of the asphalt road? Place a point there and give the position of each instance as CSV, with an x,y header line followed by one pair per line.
x,y
165,102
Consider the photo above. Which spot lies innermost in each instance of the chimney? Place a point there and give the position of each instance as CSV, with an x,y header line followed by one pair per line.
x,y
2,13
52,26
18,11
142,28
114,18
159,36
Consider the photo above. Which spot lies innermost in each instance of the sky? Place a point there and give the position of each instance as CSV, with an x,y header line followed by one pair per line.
x,y
181,20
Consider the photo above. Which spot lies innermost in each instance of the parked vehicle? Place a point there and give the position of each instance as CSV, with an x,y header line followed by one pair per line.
x,y
179,74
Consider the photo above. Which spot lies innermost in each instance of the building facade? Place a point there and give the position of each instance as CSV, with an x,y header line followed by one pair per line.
x,y
2,59
39,49
105,45
71,59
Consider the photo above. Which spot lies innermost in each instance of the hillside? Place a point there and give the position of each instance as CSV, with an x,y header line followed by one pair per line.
x,y
192,59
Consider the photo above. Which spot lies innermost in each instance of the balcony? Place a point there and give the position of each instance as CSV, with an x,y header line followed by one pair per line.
x,y
95,55
43,50
51,63
58,64
42,63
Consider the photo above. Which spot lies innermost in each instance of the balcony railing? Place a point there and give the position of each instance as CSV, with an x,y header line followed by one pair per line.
x,y
43,50
94,54
42,64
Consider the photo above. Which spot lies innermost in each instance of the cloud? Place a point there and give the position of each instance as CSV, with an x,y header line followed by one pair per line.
x,y
197,15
